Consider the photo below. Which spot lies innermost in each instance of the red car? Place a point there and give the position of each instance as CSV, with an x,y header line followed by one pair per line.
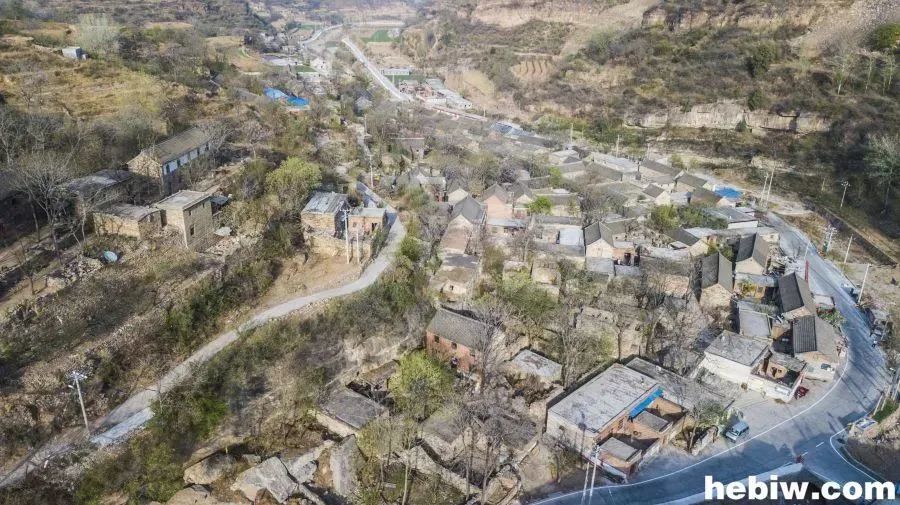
x,y
801,392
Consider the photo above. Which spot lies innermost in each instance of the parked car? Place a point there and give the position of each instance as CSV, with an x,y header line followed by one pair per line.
x,y
738,431
801,392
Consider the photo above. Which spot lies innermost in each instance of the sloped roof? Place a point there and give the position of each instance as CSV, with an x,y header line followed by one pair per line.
x,y
660,168
325,203
178,145
495,190
752,246
692,180
740,349
680,235
703,195
454,185
459,328
654,190
716,269
793,293
608,173
470,209
519,190
812,333
90,185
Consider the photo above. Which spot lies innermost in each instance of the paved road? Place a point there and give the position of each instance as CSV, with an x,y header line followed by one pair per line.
x,y
135,412
384,82
811,426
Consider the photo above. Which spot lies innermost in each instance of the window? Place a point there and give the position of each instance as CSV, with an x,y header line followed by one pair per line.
x,y
437,339
192,230
453,345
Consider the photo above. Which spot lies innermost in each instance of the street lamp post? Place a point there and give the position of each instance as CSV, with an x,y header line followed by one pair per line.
x,y
845,184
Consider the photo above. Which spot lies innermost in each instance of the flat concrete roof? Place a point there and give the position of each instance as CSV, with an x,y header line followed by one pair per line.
x,y
603,398
351,407
738,348
182,200
531,363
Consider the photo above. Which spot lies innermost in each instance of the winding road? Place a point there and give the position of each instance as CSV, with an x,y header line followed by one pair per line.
x,y
135,412
812,426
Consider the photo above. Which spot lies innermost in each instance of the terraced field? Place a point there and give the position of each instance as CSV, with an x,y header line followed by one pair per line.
x,y
532,70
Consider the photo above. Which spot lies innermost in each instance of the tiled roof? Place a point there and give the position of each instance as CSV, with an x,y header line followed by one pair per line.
x,y
176,146
470,209
654,190
325,203
812,333
495,190
753,246
90,185
793,292
660,168
692,180
459,328
716,269
681,235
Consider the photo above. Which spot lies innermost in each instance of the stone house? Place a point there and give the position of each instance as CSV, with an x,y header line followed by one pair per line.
x,y
100,189
458,339
367,220
658,195
191,213
690,183
716,281
751,255
456,192
324,213
496,202
455,279
707,198
164,162
814,341
128,221
464,228
653,170
794,297
608,240
682,240
734,357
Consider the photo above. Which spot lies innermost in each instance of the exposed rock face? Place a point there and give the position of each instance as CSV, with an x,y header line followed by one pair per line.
x,y
302,468
196,495
727,116
270,475
343,466
596,14
209,470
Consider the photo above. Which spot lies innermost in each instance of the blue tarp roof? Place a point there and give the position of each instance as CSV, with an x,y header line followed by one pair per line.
x,y
646,403
730,193
277,94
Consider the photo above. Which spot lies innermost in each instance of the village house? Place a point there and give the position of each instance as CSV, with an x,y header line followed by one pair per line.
x,y
528,364
464,228
751,255
562,157
367,220
734,357
163,162
127,220
707,198
682,240
657,194
654,171
814,341
618,420
627,169
608,240
572,170
435,185
455,279
521,196
754,323
191,213
456,192
756,287
715,281
548,229
679,389
344,412
794,297
690,183
495,200
458,339
735,219
100,189
324,213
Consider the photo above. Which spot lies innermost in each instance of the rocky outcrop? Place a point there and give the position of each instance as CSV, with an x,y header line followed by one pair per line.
x,y
270,475
196,495
303,467
209,470
342,462
727,116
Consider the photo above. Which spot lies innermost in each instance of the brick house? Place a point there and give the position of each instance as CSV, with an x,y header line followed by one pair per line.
x,y
608,240
367,220
163,162
191,213
457,338
324,213
496,202
795,298
128,221
716,281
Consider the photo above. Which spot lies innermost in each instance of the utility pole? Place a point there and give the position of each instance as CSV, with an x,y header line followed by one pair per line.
x,y
77,377
847,254
617,145
769,192
829,235
347,232
845,184
595,456
863,286
762,196
358,255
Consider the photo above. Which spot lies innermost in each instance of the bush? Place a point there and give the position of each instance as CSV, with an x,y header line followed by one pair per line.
x,y
760,59
757,100
884,412
411,249
885,38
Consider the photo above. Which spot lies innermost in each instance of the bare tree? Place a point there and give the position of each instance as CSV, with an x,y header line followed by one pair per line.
x,y
490,340
887,72
97,33
575,349
842,63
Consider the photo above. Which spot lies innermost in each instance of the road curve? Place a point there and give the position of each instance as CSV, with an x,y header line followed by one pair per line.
x,y
384,82
134,413
806,427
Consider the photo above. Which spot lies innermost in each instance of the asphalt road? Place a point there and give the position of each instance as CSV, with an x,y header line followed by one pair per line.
x,y
812,426
383,81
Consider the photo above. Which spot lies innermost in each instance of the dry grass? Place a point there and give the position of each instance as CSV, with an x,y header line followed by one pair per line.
x,y
82,89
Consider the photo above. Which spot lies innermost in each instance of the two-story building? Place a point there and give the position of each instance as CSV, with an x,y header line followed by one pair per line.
x,y
458,339
164,162
191,213
324,213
